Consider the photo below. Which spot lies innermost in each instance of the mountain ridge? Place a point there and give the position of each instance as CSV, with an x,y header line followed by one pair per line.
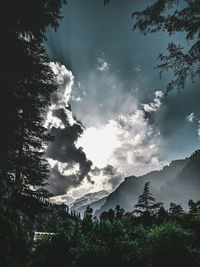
x,y
167,185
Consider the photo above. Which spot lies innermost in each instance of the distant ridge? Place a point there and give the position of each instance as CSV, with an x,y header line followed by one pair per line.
x,y
178,182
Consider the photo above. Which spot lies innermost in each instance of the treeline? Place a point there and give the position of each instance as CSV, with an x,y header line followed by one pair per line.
x,y
148,236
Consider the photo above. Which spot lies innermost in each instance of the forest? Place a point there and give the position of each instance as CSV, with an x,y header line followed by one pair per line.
x,y
148,236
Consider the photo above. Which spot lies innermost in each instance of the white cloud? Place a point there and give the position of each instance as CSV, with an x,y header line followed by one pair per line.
x,y
138,149
128,143
78,98
154,106
193,119
102,64
64,80
190,117
198,131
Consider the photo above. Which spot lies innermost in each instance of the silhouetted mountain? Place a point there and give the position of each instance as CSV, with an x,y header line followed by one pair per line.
x,y
186,184
178,182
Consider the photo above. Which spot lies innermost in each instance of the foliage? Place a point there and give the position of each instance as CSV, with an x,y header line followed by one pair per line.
x,y
170,239
26,82
15,242
174,16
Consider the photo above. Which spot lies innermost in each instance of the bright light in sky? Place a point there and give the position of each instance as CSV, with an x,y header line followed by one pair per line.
x,y
99,143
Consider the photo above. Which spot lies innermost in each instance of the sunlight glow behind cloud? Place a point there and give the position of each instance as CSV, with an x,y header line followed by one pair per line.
x,y
99,143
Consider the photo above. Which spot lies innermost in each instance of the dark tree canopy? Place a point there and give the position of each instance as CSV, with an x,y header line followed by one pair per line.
x,y
174,16
27,82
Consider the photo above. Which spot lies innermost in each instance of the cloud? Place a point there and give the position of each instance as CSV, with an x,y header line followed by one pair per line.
x,y
154,106
102,64
190,117
64,150
107,178
198,131
138,145
128,143
59,183
193,119
64,80
68,164
122,146
114,177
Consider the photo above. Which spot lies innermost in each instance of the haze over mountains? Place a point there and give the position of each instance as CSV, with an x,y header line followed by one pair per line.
x,y
179,182
88,199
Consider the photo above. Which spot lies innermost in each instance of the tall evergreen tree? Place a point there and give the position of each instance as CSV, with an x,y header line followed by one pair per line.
x,y
27,82
146,202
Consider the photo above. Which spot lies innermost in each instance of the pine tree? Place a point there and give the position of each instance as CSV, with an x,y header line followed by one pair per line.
x,y
146,202
27,82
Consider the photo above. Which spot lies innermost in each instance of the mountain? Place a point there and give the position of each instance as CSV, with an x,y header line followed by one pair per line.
x,y
186,184
80,204
96,205
178,182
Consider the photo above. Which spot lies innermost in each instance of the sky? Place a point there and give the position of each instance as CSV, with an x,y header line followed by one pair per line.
x,y
110,117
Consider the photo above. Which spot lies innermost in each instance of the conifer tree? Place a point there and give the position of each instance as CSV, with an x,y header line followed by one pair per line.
x,y
27,82
146,202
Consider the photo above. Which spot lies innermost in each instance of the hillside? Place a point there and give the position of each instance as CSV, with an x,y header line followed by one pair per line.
x,y
178,182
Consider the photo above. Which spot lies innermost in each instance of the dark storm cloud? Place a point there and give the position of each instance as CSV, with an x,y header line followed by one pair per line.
x,y
59,184
109,170
60,114
70,165
64,150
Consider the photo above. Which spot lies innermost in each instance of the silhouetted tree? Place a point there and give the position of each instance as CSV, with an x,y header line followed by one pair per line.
x,y
174,16
111,215
146,205
27,82
119,212
175,208
87,220
104,215
194,207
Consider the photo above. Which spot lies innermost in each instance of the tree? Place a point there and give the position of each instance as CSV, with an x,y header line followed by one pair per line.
x,y
174,16
27,82
194,207
146,202
170,245
87,222
175,208
119,212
